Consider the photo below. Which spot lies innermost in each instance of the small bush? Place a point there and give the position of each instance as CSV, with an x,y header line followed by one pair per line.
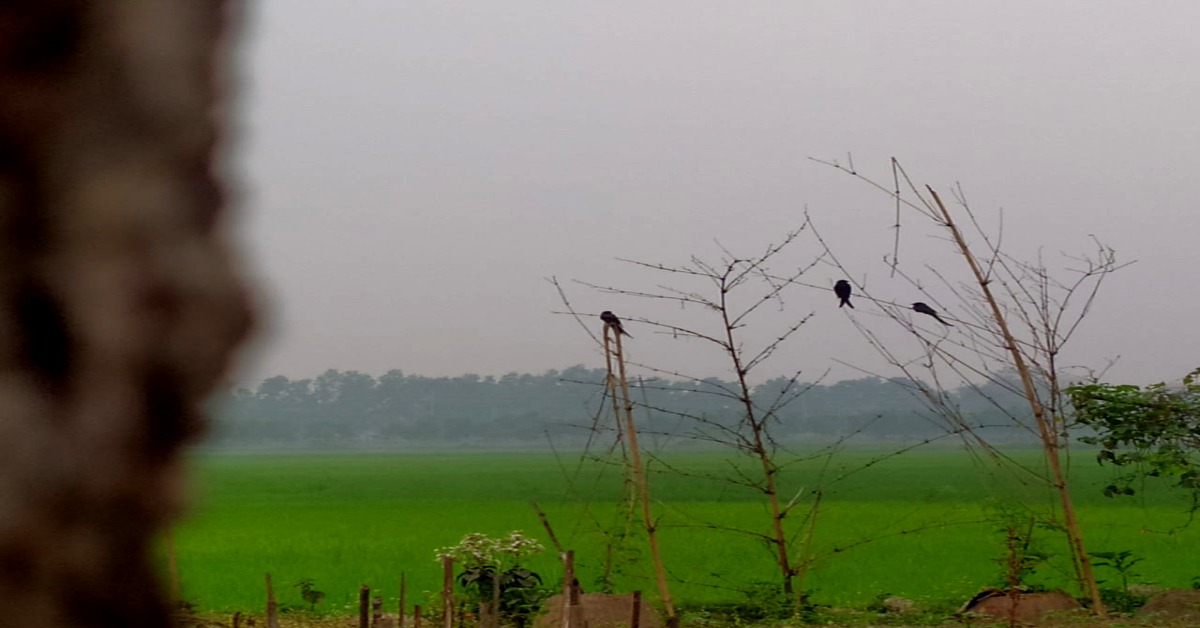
x,y
1121,600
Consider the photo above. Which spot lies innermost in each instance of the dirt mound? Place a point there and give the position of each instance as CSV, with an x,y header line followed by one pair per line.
x,y
1173,605
1026,607
600,610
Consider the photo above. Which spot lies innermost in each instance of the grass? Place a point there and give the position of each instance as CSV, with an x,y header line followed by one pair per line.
x,y
345,519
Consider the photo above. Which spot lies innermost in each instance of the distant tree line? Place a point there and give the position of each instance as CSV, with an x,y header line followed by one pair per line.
x,y
351,407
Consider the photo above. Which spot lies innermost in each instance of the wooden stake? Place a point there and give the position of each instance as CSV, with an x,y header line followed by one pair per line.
x,y
568,576
237,620
272,609
636,615
572,609
376,611
447,592
400,622
416,616
494,615
364,606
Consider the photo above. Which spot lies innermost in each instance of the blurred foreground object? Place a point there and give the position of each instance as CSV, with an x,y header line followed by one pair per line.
x,y
119,304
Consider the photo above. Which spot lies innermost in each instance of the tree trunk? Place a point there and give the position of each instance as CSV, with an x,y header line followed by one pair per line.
x,y
119,306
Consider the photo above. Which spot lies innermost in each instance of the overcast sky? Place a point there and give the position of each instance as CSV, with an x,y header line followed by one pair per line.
x,y
413,171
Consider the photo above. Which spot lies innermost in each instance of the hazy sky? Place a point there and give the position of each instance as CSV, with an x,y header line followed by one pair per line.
x,y
413,171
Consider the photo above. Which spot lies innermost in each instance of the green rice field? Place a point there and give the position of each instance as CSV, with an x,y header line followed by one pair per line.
x,y
913,525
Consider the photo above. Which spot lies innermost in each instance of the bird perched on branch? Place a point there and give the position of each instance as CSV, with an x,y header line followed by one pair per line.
x,y
925,309
611,320
842,290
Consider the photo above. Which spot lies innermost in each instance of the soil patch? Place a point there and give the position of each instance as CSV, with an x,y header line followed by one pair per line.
x,y
601,610
1025,607
1173,605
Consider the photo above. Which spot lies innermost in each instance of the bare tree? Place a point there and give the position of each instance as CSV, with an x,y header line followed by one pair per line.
x,y
727,290
1009,316
119,304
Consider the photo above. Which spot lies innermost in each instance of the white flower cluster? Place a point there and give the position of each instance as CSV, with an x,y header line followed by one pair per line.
x,y
478,550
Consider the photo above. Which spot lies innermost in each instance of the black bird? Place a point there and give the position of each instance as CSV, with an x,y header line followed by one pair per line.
x,y
611,319
925,309
842,290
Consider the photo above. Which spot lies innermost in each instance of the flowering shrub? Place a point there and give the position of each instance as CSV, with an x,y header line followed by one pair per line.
x,y
495,564
479,550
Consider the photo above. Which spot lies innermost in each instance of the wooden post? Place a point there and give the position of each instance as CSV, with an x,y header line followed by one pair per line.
x,y
376,611
237,620
364,606
272,609
568,576
575,610
416,616
494,614
572,609
447,592
400,621
636,615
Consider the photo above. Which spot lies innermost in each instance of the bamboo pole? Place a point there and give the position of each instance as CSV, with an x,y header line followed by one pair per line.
x,y
628,485
1049,440
639,478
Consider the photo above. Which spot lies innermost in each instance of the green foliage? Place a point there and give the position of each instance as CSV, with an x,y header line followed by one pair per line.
x,y
521,591
1154,430
1121,600
877,605
309,593
1021,555
1121,562
763,602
